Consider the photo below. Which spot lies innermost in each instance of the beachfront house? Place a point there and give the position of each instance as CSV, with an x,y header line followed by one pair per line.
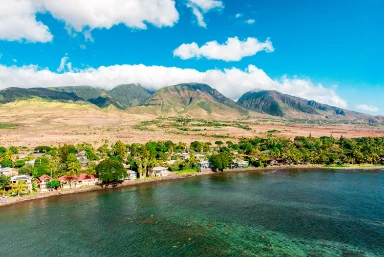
x,y
43,183
131,174
240,164
160,171
204,164
27,179
78,181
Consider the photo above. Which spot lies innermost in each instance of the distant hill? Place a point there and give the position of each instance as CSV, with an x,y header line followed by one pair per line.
x,y
121,97
283,105
85,92
14,94
129,95
191,99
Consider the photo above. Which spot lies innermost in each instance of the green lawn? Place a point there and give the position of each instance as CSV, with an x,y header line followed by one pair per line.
x,y
184,172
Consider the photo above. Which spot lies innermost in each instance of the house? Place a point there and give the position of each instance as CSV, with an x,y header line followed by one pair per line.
x,y
131,174
205,164
240,164
199,156
27,179
78,181
43,183
31,162
65,182
160,171
86,180
7,171
82,157
184,156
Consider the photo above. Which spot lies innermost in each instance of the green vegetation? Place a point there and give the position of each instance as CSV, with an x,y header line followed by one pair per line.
x,y
111,171
8,126
186,172
181,158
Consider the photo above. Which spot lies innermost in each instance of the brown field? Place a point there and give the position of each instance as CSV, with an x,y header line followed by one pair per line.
x,y
53,123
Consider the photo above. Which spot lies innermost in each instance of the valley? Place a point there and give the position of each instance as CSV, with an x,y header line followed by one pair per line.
x,y
37,122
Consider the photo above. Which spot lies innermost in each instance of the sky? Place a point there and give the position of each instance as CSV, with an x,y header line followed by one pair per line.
x,y
324,50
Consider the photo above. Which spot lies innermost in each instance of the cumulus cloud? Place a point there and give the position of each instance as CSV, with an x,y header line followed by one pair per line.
x,y
232,50
368,108
250,21
238,15
199,7
230,82
18,21
18,18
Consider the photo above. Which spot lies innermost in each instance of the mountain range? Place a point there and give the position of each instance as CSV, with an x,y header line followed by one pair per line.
x,y
191,99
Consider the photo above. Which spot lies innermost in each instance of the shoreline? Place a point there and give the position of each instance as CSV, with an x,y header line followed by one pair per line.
x,y
127,183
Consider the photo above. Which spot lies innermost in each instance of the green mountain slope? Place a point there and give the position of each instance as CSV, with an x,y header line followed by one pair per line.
x,y
283,105
85,92
13,94
129,95
192,99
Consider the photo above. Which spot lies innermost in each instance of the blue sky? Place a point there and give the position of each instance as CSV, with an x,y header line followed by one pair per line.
x,y
325,42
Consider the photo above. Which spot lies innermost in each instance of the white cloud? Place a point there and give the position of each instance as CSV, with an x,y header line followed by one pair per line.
x,y
368,108
18,21
250,21
230,82
203,6
14,60
64,63
18,17
238,15
232,50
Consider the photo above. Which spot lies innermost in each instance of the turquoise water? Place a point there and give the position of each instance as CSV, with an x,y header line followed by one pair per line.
x,y
285,213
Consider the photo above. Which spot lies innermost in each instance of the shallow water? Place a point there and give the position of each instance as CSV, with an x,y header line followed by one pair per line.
x,y
286,213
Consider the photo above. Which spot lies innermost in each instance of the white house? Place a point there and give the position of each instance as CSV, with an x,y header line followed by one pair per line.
x,y
7,171
131,175
240,164
27,179
43,183
204,164
160,171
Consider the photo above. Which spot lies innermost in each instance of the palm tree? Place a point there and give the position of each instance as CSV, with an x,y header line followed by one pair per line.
x,y
20,187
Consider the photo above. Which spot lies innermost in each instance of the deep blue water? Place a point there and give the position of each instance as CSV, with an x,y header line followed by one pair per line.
x,y
285,213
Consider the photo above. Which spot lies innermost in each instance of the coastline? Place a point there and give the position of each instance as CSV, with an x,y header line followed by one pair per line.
x,y
172,176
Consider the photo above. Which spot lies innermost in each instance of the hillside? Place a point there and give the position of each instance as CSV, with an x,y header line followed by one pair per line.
x,y
13,94
192,100
129,95
287,106
121,97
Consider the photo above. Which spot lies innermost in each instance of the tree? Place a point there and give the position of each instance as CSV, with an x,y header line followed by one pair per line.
x,y
19,163
219,143
53,184
13,150
73,165
120,150
220,161
6,163
20,188
25,170
111,171
4,182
